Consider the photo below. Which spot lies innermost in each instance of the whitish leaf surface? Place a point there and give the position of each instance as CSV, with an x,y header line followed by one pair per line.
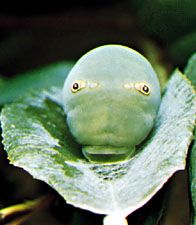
x,y
37,139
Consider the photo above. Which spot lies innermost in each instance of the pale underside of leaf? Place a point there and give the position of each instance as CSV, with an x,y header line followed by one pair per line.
x,y
37,139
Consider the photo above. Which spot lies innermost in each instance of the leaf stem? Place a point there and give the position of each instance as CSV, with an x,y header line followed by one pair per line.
x,y
115,220
20,220
25,207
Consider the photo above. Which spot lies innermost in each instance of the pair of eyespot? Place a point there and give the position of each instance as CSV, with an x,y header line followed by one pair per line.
x,y
141,87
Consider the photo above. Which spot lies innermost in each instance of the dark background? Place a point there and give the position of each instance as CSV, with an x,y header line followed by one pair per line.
x,y
38,35
34,35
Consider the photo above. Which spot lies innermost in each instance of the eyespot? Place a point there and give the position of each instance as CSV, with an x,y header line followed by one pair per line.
x,y
78,85
143,88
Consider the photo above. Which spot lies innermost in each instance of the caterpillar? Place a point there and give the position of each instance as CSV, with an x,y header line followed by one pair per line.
x,y
111,98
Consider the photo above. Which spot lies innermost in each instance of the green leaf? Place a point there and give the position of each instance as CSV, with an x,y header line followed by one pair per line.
x,y
192,177
53,75
168,19
2,81
183,48
190,69
37,139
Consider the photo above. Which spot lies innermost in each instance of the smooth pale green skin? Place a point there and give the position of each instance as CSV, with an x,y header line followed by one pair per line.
x,y
109,120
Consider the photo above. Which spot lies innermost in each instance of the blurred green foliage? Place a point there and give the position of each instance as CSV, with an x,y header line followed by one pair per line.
x,y
190,71
172,22
169,19
53,75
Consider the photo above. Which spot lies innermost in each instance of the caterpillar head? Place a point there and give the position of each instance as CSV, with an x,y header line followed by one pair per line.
x,y
111,98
